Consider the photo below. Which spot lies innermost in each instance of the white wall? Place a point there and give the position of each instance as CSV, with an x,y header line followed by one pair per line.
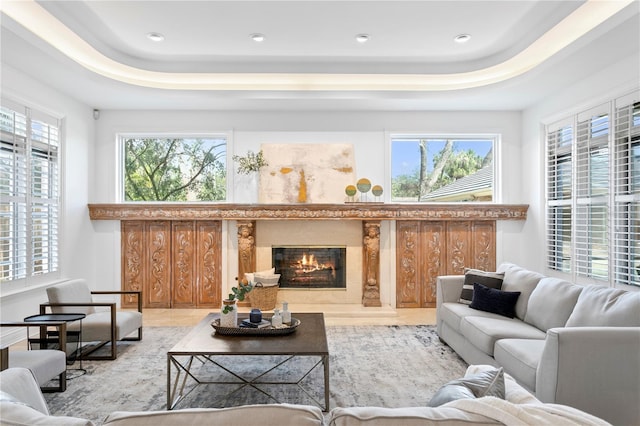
x,y
367,131
77,259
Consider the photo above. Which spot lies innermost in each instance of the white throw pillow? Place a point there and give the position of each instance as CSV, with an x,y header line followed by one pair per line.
x,y
250,276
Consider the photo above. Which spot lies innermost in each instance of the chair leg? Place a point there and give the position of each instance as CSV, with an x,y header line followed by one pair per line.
x,y
62,384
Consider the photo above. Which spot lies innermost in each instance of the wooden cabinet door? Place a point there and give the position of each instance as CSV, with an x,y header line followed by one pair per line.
x,y
157,289
433,260
133,258
145,252
427,249
484,245
183,265
408,264
458,247
208,264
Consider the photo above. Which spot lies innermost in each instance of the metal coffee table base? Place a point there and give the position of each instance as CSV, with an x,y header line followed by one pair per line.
x,y
176,391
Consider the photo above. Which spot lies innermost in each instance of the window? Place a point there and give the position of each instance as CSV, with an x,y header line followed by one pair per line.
x,y
174,169
29,168
593,193
429,169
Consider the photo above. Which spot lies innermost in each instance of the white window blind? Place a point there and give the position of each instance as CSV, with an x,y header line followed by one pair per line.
x,y
626,245
593,193
29,185
559,190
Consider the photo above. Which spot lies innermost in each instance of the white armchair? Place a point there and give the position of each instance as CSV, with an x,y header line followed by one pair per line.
x,y
45,364
102,326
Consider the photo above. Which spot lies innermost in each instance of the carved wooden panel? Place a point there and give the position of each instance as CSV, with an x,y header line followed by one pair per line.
x,y
407,264
426,249
174,263
458,247
157,289
132,259
208,264
484,246
145,262
183,247
433,260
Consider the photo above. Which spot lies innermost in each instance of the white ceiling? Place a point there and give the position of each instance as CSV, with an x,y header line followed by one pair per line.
x,y
406,37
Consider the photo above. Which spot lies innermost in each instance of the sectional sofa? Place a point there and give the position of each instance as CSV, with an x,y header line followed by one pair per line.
x,y
22,403
568,344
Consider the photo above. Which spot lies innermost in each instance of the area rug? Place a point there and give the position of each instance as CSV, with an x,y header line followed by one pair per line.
x,y
388,366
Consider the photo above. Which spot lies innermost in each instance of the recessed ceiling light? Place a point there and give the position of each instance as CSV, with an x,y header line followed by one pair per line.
x,y
362,38
155,37
257,37
462,38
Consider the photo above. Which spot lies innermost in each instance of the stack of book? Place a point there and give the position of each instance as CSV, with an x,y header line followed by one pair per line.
x,y
248,324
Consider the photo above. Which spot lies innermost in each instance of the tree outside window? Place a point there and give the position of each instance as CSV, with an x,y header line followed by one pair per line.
x,y
175,169
441,170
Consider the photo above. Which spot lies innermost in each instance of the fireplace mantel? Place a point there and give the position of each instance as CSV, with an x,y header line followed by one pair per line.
x,y
354,211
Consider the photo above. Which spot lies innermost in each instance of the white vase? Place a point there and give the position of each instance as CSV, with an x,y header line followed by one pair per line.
x,y
229,319
247,188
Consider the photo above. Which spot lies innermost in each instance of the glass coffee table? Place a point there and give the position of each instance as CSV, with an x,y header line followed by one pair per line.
x,y
203,345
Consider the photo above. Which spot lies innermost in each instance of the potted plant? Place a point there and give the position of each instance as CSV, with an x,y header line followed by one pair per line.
x,y
251,162
229,313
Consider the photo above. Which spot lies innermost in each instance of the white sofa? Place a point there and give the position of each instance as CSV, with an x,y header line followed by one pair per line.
x,y
22,403
569,344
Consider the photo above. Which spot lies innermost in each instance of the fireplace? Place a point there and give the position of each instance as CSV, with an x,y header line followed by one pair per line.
x,y
310,267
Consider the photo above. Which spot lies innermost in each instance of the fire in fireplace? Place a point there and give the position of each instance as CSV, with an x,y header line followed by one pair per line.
x,y
310,267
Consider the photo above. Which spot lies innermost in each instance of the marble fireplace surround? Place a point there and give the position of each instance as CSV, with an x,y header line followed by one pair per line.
x,y
317,224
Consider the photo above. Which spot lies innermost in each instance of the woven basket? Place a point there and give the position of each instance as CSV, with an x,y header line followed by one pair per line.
x,y
263,298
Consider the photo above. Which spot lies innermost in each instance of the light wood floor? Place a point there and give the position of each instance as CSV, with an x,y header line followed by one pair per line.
x,y
334,314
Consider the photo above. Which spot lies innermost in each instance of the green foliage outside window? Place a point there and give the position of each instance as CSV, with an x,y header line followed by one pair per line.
x,y
422,166
175,169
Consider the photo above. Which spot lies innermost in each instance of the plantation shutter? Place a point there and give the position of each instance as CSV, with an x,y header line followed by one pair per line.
x,y
44,194
29,171
626,246
592,193
559,194
13,187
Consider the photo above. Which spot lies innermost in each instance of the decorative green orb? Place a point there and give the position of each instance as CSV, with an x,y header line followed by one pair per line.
x,y
364,185
376,190
350,190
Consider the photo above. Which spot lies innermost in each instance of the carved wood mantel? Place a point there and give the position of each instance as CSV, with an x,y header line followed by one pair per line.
x,y
432,239
355,211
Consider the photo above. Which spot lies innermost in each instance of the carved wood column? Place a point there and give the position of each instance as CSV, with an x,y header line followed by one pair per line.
x,y
371,263
246,248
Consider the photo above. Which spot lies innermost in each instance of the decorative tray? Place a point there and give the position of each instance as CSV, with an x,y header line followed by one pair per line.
x,y
267,331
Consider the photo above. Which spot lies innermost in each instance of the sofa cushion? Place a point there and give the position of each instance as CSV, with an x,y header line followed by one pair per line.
x,y
472,276
452,314
519,279
521,358
260,414
483,333
551,303
486,383
606,307
16,413
406,416
493,300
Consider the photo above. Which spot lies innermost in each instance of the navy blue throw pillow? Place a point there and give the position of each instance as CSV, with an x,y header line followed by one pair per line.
x,y
494,301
